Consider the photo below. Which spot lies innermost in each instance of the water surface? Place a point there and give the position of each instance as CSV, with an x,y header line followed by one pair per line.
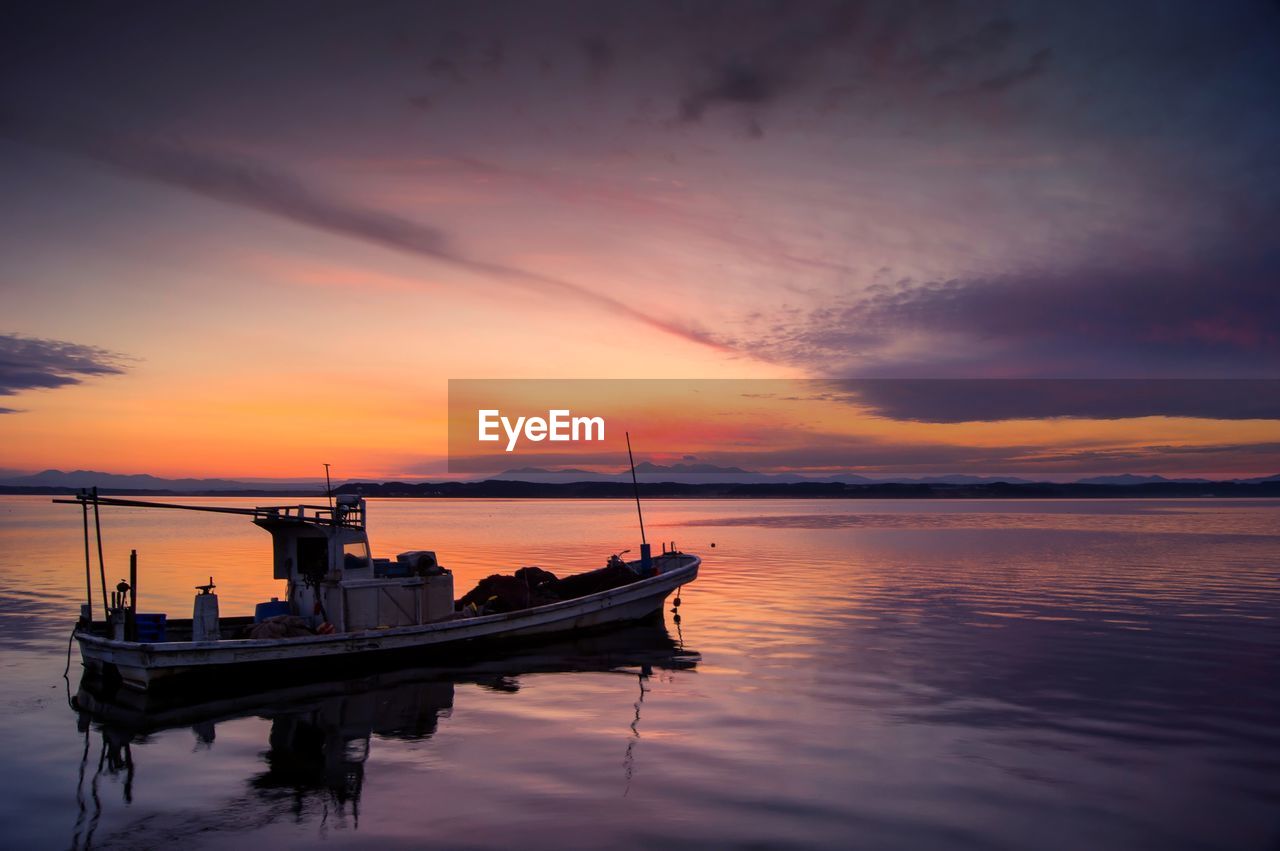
x,y
893,674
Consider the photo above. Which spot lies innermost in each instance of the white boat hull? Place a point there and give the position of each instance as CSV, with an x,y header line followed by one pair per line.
x,y
142,665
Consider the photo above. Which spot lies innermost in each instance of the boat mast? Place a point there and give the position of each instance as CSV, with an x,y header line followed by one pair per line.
x,y
635,486
645,560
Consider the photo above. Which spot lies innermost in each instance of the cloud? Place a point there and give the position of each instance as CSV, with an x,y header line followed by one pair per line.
x,y
821,454
1000,82
833,454
992,37
1206,317
31,363
243,182
777,53
599,54
972,400
871,59
735,83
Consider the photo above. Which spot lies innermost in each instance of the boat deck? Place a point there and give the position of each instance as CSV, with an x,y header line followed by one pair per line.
x,y
140,664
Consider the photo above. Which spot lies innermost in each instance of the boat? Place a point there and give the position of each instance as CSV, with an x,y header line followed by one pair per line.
x,y
344,610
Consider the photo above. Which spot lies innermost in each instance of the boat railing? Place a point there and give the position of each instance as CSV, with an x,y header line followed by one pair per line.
x,y
348,515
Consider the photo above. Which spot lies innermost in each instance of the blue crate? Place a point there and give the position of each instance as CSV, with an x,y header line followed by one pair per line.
x,y
150,628
262,611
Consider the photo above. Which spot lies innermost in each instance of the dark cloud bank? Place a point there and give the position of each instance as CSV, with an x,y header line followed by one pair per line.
x,y
29,363
1212,317
988,400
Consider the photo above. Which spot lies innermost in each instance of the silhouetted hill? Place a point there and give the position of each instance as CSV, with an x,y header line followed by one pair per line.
x,y
700,474
707,482
498,488
145,483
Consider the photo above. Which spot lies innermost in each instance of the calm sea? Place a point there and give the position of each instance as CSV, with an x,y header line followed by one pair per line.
x,y
1075,674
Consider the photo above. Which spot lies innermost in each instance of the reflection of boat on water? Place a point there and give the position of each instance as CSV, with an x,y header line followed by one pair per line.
x,y
321,732
345,608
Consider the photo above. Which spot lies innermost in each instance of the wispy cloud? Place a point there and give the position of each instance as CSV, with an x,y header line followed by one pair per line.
x,y
31,363
1035,65
247,183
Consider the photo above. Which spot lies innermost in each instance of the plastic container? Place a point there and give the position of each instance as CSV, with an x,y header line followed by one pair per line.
x,y
392,569
262,611
150,627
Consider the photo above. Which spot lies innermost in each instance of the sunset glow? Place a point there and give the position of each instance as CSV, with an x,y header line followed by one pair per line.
x,y
289,270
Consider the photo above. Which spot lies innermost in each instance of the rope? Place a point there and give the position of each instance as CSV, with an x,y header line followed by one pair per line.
x,y
65,671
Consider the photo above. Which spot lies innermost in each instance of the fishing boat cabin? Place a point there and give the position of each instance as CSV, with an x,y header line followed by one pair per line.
x,y
333,584
323,554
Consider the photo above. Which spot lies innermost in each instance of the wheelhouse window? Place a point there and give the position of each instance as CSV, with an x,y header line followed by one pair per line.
x,y
355,555
313,557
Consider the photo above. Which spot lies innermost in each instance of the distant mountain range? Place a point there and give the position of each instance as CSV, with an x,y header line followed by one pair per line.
x,y
694,474
497,488
144,482
1130,479
711,474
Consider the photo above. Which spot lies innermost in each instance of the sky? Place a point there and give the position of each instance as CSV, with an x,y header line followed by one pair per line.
x,y
244,239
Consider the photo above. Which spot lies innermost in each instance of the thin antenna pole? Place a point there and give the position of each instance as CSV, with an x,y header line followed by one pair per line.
x,y
88,574
102,568
636,487
328,486
133,595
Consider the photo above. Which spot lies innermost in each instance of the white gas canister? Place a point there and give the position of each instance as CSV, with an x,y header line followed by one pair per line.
x,y
204,621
